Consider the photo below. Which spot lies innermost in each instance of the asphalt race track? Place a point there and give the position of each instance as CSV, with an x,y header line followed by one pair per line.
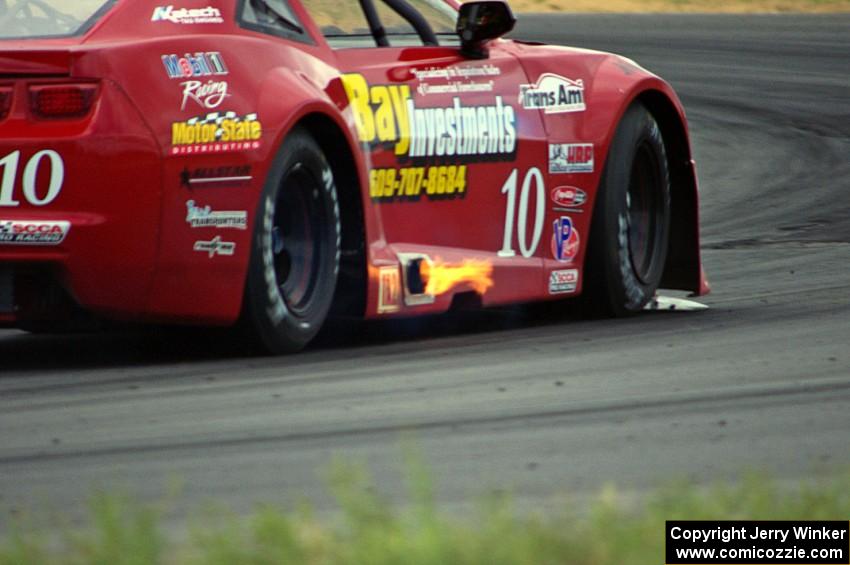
x,y
519,399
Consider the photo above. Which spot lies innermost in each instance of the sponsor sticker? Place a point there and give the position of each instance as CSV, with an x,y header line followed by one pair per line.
x,y
570,158
457,72
565,240
201,64
208,15
455,87
563,281
389,290
568,196
215,247
205,217
208,95
442,182
24,232
459,79
553,94
387,114
216,132
212,177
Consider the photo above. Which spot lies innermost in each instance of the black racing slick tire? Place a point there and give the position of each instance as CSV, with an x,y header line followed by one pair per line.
x,y
295,249
631,219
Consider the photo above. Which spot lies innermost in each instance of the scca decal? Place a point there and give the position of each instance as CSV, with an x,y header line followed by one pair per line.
x,y
24,232
563,281
387,114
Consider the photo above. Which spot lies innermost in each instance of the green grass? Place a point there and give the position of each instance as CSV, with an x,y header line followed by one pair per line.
x,y
371,531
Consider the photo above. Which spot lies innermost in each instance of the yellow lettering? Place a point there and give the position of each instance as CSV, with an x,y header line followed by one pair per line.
x,y
384,118
460,179
400,95
226,131
357,91
178,133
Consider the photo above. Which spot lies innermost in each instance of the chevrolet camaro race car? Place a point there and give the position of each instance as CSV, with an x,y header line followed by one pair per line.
x,y
268,163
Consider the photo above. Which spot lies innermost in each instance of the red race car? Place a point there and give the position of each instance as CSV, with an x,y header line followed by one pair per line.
x,y
273,162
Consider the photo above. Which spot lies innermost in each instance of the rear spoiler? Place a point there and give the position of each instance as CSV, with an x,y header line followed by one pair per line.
x,y
25,62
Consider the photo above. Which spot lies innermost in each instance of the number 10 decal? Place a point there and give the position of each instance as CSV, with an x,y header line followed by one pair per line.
x,y
9,164
509,188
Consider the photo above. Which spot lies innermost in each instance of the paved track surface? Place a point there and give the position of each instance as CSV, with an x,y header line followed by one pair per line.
x,y
516,400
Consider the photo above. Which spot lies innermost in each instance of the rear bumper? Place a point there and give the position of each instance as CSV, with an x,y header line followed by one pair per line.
x,y
104,217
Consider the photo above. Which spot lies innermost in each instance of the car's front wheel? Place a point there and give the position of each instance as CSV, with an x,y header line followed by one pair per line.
x,y
631,219
295,248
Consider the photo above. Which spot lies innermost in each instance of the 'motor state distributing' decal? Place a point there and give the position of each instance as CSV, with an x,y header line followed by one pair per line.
x,y
205,217
570,157
387,114
553,94
216,132
410,183
565,240
215,247
24,232
202,64
564,281
208,15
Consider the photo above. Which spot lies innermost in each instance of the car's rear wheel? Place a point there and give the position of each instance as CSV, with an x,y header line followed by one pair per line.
x,y
631,219
295,248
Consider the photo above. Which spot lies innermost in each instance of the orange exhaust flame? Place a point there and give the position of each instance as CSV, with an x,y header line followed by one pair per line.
x,y
439,277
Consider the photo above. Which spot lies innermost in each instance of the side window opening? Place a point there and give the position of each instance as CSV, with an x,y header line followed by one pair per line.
x,y
274,17
383,22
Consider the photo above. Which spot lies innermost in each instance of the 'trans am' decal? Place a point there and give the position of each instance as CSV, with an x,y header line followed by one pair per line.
x,y
553,94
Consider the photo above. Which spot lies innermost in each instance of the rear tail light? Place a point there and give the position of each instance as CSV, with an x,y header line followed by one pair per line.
x,y
62,101
5,101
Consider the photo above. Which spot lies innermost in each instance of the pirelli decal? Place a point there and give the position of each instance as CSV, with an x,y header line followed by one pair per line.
x,y
456,132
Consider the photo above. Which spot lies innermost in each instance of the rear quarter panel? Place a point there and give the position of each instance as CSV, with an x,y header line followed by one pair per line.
x,y
266,79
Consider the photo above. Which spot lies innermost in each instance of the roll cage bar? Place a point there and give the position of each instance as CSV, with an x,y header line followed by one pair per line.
x,y
402,8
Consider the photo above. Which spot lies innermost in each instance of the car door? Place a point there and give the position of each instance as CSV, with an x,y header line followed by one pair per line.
x,y
453,158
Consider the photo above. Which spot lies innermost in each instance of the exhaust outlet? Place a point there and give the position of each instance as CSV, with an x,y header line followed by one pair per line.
x,y
415,284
